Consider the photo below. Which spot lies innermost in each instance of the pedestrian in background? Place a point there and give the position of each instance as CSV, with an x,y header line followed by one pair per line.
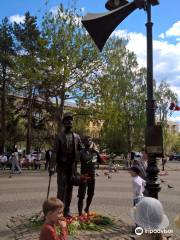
x,y
164,161
15,161
48,155
141,162
3,161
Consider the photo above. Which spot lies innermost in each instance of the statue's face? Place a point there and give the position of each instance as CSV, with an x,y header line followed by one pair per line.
x,y
88,142
68,123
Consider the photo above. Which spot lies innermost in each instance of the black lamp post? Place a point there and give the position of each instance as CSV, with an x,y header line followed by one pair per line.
x,y
100,27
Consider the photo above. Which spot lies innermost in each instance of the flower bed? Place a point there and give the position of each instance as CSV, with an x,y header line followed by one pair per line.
x,y
90,222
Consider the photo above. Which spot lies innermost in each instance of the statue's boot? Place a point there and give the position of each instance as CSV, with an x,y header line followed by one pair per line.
x,y
88,203
68,197
80,206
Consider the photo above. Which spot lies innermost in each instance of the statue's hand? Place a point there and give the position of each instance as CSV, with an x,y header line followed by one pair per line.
x,y
85,178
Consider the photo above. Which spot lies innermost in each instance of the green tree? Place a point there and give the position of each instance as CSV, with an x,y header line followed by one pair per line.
x,y
164,96
122,97
29,45
71,61
6,63
15,122
171,142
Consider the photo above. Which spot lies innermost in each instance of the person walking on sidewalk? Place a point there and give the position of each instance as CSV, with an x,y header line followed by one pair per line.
x,y
15,161
48,155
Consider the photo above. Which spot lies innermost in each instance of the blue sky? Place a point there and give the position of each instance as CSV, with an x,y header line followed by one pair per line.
x,y
166,32
164,15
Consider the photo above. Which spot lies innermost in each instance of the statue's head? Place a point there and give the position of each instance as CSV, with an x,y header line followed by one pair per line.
x,y
67,120
87,141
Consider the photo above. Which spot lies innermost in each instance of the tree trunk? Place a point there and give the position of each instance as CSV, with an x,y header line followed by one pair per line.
x,y
61,111
3,113
29,122
28,137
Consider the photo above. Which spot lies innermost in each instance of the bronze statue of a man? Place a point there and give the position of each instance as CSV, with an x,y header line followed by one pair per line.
x,y
67,154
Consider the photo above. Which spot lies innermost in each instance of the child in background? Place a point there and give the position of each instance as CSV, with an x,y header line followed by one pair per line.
x,y
138,184
53,212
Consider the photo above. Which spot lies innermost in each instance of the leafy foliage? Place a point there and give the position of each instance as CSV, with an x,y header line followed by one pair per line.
x,y
7,53
45,67
122,97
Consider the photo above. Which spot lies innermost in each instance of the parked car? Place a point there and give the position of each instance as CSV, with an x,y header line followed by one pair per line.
x,y
176,157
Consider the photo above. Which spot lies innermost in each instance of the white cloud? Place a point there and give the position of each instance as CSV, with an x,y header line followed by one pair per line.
x,y
17,18
174,31
136,44
166,57
121,33
162,35
176,89
174,118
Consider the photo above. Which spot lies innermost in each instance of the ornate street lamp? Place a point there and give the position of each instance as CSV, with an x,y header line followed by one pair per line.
x,y
100,26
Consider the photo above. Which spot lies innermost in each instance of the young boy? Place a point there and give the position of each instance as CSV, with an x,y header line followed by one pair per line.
x,y
53,212
138,184
88,157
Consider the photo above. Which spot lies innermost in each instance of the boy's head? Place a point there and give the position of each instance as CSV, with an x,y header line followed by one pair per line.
x,y
134,171
53,209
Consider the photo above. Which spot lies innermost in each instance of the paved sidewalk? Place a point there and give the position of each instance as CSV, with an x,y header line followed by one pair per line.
x,y
24,194
119,231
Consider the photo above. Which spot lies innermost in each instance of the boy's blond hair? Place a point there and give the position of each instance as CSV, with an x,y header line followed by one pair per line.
x,y
51,205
